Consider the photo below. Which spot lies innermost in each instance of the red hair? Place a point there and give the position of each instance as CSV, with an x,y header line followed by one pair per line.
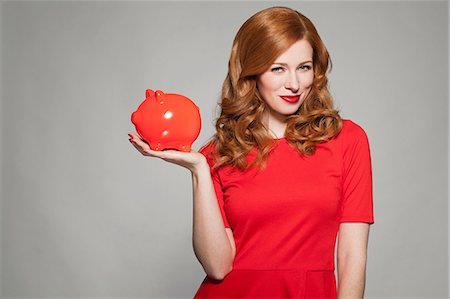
x,y
259,41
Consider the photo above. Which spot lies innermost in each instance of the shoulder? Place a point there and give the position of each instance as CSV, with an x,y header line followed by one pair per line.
x,y
207,150
353,139
352,131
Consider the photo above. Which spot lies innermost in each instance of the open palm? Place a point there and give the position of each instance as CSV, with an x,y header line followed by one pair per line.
x,y
189,160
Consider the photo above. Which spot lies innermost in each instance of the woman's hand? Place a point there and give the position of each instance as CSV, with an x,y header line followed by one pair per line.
x,y
191,160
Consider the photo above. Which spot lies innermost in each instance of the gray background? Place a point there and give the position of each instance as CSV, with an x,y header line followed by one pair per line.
x,y
85,215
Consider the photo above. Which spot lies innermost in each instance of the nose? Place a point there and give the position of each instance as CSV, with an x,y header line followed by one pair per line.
x,y
292,82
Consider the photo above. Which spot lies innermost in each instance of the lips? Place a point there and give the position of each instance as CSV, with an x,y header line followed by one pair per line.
x,y
291,99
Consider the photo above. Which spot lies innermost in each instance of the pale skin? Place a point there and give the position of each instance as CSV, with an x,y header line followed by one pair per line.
x,y
213,244
351,259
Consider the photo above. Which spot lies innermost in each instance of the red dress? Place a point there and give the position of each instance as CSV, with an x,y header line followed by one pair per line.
x,y
285,219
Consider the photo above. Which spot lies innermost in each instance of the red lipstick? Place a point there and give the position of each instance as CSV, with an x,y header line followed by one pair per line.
x,y
291,99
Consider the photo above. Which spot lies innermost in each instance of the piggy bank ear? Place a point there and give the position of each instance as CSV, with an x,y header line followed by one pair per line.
x,y
149,93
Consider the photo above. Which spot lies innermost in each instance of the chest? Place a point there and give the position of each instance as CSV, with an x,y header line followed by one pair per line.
x,y
290,185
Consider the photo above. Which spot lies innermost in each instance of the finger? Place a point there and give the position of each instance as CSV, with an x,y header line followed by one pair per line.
x,y
146,150
136,137
141,143
138,147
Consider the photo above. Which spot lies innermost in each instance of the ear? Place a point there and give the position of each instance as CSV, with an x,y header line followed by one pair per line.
x,y
149,93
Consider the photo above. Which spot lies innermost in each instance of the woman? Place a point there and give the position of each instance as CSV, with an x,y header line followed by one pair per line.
x,y
283,176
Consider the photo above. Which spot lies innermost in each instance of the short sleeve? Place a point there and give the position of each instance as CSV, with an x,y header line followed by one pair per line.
x,y
357,197
206,151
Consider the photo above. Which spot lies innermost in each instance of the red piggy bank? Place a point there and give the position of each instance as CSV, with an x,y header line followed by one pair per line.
x,y
167,121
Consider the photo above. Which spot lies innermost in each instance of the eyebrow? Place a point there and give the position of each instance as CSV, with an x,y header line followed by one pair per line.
x,y
285,64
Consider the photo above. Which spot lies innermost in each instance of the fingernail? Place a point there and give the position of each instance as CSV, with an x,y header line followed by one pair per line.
x,y
130,135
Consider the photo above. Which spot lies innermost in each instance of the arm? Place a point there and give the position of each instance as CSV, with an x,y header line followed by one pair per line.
x,y
352,257
356,212
213,244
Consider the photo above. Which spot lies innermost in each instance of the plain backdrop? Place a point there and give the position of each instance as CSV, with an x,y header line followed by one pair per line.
x,y
85,215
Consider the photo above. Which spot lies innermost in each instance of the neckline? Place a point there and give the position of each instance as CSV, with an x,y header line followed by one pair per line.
x,y
280,139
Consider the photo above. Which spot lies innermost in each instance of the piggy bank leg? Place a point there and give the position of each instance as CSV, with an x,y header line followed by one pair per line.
x,y
156,146
184,147
165,146
176,145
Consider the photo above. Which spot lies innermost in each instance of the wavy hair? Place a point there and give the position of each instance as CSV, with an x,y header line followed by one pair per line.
x,y
259,41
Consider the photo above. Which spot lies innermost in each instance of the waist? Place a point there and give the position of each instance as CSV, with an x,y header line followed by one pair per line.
x,y
292,282
300,269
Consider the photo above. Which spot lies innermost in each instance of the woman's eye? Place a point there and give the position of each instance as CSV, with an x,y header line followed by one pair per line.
x,y
276,69
280,69
306,67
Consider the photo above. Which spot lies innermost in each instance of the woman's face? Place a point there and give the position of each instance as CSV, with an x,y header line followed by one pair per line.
x,y
291,75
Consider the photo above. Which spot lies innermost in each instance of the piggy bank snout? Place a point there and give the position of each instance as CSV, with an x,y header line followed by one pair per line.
x,y
135,117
